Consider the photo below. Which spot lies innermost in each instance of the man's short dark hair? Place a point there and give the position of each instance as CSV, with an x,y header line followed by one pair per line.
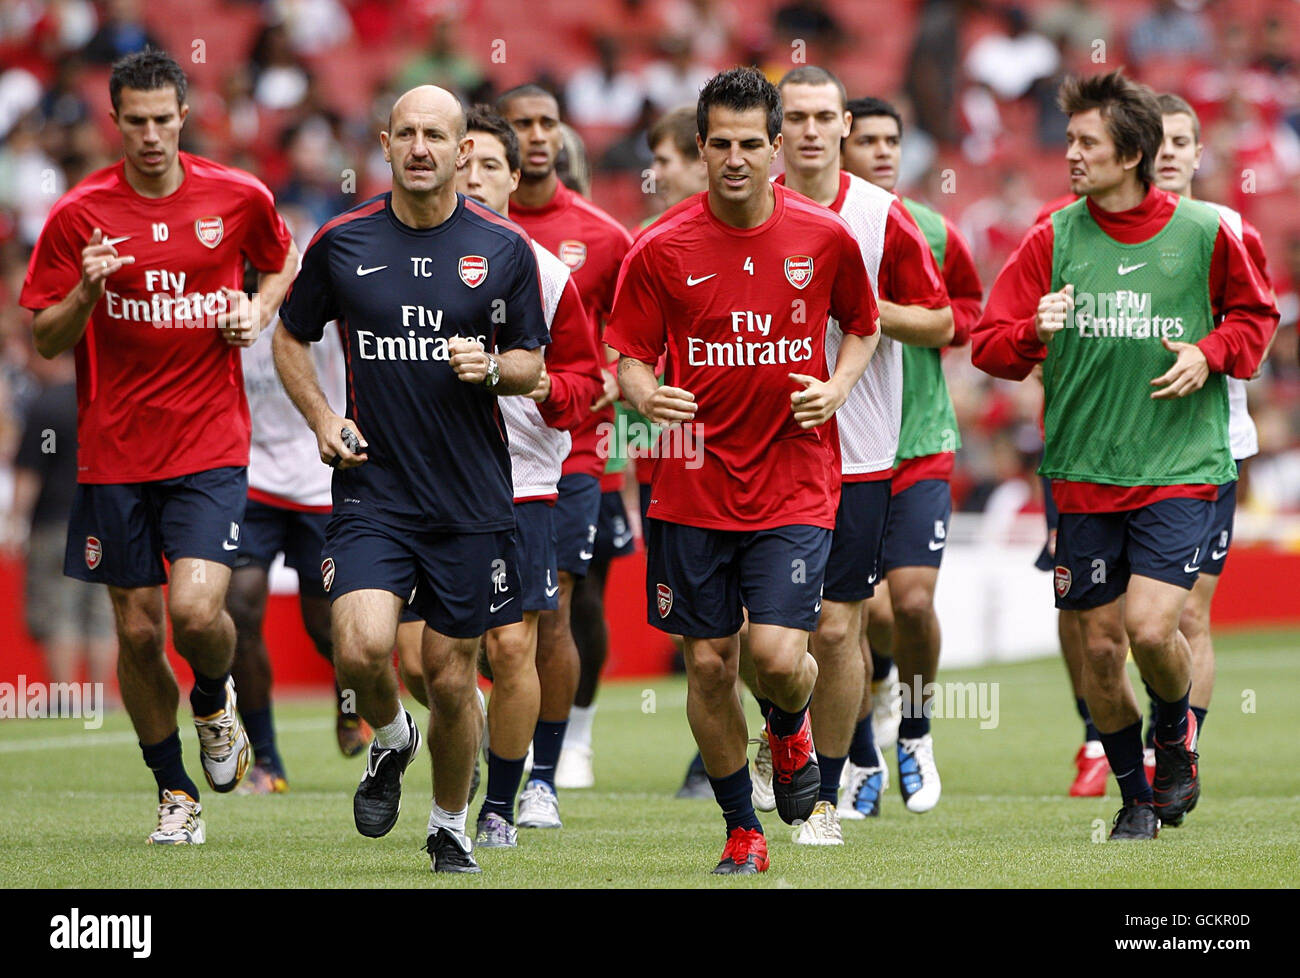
x,y
146,71
679,126
813,75
530,90
1128,108
1171,104
740,89
865,108
484,118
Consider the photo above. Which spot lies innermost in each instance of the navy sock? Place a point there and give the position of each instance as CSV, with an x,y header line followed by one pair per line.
x,y
164,760
862,749
1171,719
1152,709
736,799
209,694
916,716
1124,752
1199,712
784,724
831,768
261,733
1089,728
764,707
547,741
502,784
880,665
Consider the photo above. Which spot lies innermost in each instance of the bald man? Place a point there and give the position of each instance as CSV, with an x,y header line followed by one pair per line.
x,y
440,310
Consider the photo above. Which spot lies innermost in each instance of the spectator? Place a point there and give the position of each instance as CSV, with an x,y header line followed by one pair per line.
x,y
314,26
708,24
280,79
807,20
1169,31
677,78
1079,24
123,32
443,64
1009,63
629,152
72,620
930,83
604,94
30,182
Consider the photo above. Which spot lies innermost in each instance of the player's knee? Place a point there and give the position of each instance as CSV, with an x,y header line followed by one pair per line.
x,y
1104,655
778,669
140,637
510,657
194,617
451,689
913,608
1149,634
833,633
1195,622
357,651
712,676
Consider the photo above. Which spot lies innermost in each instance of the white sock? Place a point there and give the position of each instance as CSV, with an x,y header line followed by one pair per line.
x,y
395,735
578,733
453,822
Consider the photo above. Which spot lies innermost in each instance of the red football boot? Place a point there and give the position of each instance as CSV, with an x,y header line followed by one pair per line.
x,y
745,853
1093,770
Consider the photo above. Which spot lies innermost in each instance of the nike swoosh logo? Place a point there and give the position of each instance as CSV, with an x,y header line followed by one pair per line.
x,y
550,591
1125,269
366,271
497,607
113,241
937,544
692,280
1189,569
227,545
1218,554
584,555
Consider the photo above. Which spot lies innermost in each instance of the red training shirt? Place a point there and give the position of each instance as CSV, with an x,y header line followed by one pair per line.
x,y
160,393
738,310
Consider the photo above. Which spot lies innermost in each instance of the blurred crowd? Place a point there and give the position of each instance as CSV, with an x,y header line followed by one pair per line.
x,y
296,90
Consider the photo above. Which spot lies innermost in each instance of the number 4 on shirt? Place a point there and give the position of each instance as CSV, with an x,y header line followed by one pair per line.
x,y
749,264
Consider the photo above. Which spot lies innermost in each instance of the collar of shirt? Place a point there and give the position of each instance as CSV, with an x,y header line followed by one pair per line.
x,y
1139,223
559,201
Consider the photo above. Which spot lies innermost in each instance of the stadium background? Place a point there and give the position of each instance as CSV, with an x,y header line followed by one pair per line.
x,y
295,91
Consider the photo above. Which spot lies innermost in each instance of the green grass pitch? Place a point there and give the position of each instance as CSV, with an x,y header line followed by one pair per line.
x,y
76,805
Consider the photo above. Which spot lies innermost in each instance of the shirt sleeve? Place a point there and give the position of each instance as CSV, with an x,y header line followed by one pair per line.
x,y
636,325
602,305
1254,243
55,266
965,290
573,363
266,240
908,273
311,303
525,323
1243,302
1004,342
853,302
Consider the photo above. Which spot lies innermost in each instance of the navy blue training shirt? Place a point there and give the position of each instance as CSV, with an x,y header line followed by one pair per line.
x,y
438,456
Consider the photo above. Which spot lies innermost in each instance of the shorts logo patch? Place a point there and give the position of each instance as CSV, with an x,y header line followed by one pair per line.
x,y
94,552
799,270
209,231
473,270
327,572
665,596
573,254
1062,581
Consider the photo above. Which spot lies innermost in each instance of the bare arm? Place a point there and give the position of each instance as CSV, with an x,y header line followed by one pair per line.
x,y
820,399
60,326
916,325
27,486
245,318
641,388
297,372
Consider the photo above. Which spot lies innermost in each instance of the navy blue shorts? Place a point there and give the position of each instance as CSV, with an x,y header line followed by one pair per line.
x,y
917,529
1097,553
119,533
535,542
1047,557
1225,510
455,582
613,535
300,536
858,542
698,581
577,511
643,490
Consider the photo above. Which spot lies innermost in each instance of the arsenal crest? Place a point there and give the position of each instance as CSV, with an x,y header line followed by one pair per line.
x,y
573,254
327,572
1062,581
209,231
799,270
1171,262
94,551
473,270
665,596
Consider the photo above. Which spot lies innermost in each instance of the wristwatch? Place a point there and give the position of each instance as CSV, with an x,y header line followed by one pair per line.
x,y
493,373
